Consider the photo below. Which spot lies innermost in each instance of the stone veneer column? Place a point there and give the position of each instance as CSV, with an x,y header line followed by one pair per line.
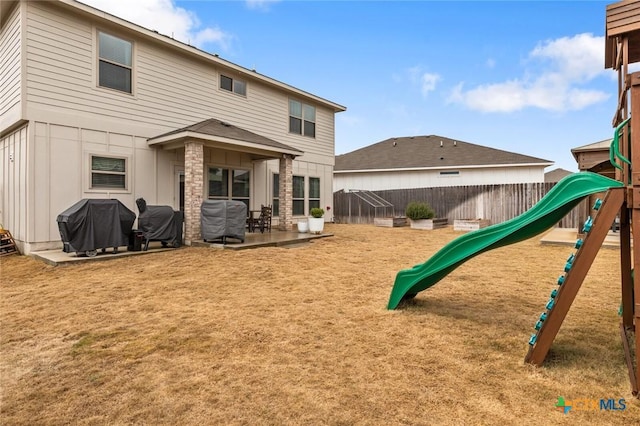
x,y
285,207
193,189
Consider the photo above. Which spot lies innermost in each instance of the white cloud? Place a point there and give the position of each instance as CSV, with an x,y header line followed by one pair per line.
x,y
566,65
425,81
260,4
429,83
166,18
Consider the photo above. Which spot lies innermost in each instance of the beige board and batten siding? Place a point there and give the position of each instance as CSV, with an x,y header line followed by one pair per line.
x,y
13,182
61,174
10,62
399,179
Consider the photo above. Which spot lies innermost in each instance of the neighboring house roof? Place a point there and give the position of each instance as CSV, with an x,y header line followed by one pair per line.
x,y
556,174
429,152
220,132
193,51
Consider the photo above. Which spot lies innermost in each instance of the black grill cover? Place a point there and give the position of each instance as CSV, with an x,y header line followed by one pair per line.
x,y
160,223
221,219
95,224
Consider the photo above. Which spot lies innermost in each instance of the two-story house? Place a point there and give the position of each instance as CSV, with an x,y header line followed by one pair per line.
x,y
94,106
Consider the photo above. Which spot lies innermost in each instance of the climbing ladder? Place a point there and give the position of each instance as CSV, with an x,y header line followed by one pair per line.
x,y
575,271
7,244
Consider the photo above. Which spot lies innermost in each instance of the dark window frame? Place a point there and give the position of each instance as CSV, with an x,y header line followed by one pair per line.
x,y
235,181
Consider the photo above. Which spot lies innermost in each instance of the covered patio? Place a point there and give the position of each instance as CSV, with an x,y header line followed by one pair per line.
x,y
225,137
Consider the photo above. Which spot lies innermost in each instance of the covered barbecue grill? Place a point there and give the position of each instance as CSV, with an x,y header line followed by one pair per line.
x,y
159,223
222,219
90,225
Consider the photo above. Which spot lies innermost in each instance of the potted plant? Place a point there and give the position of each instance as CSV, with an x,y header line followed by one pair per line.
x,y
316,221
422,216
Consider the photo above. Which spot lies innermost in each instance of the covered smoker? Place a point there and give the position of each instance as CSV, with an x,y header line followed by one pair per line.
x,y
89,225
159,223
222,219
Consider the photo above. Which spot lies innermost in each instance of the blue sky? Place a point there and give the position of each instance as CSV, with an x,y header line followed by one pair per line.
x,y
526,77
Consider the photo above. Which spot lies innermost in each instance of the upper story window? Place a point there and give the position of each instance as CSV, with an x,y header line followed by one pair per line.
x,y
302,119
108,172
233,85
115,59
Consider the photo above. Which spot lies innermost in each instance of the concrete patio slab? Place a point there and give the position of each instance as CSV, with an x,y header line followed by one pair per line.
x,y
252,240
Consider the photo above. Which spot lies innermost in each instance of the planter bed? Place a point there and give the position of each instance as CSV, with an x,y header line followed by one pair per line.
x,y
470,224
390,222
429,223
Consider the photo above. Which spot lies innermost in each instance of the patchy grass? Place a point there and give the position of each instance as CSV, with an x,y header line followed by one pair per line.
x,y
302,336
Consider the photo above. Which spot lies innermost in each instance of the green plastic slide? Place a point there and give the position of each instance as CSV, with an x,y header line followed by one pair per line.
x,y
558,202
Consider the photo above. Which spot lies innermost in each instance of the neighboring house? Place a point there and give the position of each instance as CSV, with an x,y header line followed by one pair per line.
x,y
93,106
556,175
432,161
595,158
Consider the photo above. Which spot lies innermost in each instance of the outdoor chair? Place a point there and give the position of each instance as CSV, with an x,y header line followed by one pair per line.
x,y
263,222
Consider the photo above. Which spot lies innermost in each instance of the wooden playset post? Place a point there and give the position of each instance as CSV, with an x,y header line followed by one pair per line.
x,y
631,293
622,47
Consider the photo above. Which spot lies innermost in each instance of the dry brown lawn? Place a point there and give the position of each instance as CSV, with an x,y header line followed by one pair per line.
x,y
302,336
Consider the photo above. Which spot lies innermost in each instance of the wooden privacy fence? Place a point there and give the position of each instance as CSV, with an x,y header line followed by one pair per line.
x,y
494,202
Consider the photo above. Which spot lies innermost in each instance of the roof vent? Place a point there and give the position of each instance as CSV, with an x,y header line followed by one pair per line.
x,y
455,143
441,145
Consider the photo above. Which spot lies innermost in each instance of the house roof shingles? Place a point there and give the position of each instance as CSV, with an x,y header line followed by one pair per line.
x,y
556,175
428,152
217,128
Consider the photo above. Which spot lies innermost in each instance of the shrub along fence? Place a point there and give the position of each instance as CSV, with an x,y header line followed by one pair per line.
x,y
494,202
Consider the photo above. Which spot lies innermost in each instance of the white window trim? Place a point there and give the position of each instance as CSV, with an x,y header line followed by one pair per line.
x,y
96,63
233,85
87,175
302,105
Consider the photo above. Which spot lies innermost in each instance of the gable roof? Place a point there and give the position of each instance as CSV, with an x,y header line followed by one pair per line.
x,y
223,133
429,152
186,49
556,175
602,145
